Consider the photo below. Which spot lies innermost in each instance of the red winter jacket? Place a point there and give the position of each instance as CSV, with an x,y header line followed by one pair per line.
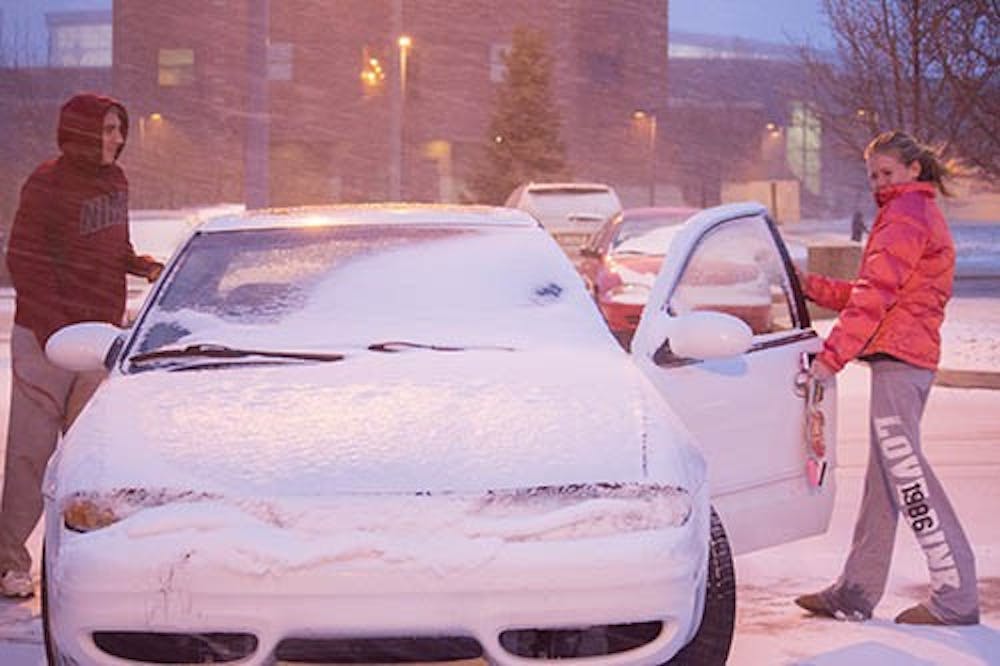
x,y
896,304
69,245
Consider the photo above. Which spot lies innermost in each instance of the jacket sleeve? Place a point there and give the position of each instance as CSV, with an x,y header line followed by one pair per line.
x,y
828,292
34,259
893,251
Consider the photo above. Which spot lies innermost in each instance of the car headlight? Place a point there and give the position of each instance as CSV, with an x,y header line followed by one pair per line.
x,y
89,511
582,511
628,293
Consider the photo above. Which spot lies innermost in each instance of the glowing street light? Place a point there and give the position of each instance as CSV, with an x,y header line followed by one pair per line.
x,y
372,73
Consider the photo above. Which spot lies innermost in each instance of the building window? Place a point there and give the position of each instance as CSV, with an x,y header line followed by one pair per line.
x,y
176,67
498,62
279,61
803,146
79,38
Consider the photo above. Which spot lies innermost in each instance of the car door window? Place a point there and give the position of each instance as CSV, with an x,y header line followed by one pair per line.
x,y
738,269
602,239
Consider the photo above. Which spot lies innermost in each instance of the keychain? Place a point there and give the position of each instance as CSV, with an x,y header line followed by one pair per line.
x,y
815,423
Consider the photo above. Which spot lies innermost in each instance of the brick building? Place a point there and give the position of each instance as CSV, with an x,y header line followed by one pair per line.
x,y
341,126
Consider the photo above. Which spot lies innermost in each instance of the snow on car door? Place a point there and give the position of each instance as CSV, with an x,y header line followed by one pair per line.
x,y
747,411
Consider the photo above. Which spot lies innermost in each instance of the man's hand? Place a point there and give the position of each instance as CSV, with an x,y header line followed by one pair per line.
x,y
154,271
820,371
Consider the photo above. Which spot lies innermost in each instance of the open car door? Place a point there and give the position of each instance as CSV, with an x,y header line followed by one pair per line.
x,y
770,481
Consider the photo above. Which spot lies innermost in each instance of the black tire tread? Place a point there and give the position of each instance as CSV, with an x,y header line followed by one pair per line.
x,y
51,653
710,645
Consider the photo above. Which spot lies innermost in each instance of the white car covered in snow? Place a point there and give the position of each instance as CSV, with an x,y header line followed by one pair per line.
x,y
405,433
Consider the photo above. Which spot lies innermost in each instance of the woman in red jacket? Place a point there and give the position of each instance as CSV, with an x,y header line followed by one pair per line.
x,y
890,317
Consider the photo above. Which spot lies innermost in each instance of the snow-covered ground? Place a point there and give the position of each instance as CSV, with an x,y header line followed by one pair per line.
x,y
962,439
971,335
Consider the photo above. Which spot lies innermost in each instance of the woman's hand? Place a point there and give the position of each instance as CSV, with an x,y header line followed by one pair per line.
x,y
820,371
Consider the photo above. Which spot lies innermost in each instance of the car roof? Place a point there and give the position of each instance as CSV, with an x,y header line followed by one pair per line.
x,y
652,212
157,214
568,187
402,214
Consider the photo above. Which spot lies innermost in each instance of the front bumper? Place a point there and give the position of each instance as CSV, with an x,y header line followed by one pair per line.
x,y
183,574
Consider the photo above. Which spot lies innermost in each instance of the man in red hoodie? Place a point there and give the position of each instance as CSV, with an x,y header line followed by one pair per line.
x,y
68,256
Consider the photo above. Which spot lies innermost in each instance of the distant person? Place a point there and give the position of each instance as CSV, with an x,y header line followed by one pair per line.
x,y
68,255
858,228
891,316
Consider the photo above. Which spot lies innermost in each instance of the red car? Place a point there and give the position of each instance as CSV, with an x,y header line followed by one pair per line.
x,y
621,259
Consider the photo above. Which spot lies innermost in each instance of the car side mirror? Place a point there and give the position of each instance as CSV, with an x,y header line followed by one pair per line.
x,y
705,335
84,346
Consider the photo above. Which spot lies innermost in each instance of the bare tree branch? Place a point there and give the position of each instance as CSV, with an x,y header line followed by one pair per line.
x,y
929,67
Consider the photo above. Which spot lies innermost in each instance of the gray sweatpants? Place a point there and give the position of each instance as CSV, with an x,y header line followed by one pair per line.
x,y
44,401
899,481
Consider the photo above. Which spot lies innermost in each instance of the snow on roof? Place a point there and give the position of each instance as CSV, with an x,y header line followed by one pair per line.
x,y
569,187
363,214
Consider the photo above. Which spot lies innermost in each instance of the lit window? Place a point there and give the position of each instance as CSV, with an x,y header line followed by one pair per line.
x,y
803,145
176,67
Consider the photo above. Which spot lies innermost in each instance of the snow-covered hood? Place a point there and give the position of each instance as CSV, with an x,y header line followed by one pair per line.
x,y
414,421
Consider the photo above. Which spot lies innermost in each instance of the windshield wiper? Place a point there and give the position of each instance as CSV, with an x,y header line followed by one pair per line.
x,y
207,350
641,253
392,346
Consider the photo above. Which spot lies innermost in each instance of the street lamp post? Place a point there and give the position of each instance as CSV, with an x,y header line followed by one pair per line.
x,y
397,121
649,119
397,103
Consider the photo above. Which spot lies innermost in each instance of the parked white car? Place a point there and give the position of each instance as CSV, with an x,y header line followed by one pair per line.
x,y
366,432
569,211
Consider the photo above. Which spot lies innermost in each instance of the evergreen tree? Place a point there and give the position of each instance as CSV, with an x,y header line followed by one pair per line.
x,y
524,141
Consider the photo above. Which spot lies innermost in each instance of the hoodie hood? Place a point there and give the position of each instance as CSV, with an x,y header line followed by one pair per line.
x,y
81,123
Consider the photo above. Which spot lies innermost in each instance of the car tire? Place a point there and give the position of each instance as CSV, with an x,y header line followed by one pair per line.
x,y
710,645
51,652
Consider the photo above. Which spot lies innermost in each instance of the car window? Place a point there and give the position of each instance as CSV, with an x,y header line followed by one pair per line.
x,y
546,204
335,287
737,269
599,241
635,227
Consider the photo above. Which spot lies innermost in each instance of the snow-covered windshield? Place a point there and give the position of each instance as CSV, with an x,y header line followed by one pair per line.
x,y
646,234
341,287
652,242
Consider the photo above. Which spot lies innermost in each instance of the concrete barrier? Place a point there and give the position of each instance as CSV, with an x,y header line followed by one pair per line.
x,y
981,379
834,257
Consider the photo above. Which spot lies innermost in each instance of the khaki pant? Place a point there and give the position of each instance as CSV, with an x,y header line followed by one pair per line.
x,y
44,402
